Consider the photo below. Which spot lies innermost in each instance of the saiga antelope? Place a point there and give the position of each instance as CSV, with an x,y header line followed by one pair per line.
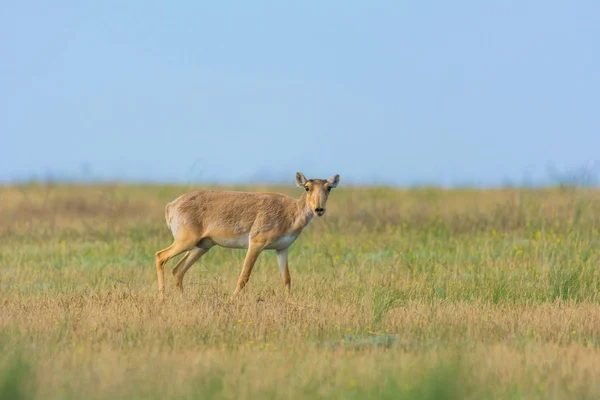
x,y
202,219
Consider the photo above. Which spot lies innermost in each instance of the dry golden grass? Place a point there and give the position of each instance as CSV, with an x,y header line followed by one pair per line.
x,y
420,293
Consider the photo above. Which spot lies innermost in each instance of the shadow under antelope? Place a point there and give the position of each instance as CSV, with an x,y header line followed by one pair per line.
x,y
202,219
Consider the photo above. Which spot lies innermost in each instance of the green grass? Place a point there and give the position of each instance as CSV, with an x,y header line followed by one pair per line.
x,y
421,293
16,381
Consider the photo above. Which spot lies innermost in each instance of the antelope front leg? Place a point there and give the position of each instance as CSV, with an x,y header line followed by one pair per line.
x,y
282,260
254,251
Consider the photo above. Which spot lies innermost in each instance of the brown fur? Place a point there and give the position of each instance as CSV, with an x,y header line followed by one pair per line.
x,y
202,219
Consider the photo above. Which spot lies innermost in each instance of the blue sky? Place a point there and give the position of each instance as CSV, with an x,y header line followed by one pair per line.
x,y
404,93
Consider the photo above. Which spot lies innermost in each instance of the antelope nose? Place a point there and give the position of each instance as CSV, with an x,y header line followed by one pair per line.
x,y
319,210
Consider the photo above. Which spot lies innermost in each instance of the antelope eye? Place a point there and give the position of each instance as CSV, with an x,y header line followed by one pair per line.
x,y
329,188
306,188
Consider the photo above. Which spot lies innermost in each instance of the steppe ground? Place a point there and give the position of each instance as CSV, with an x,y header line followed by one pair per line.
x,y
420,293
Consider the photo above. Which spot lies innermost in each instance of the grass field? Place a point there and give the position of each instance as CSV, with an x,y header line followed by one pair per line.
x,y
421,293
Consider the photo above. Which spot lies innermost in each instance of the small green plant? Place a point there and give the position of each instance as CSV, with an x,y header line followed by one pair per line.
x,y
16,380
566,285
445,380
383,301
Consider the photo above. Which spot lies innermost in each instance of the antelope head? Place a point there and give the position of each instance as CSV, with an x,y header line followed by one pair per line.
x,y
317,191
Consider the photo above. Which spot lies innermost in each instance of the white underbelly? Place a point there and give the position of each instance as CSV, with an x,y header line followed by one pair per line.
x,y
282,243
242,242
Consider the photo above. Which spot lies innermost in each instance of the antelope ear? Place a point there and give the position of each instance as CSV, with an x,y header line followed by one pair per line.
x,y
300,179
334,180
